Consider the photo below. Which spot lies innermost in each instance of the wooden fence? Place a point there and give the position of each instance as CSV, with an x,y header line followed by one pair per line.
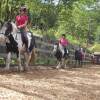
x,y
44,50
45,54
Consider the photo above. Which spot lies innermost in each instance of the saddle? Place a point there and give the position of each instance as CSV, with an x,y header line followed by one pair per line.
x,y
66,53
18,38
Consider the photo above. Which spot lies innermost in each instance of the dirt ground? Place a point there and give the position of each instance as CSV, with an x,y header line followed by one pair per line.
x,y
51,84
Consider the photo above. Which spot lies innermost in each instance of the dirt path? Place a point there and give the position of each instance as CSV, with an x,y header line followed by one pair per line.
x,y
51,84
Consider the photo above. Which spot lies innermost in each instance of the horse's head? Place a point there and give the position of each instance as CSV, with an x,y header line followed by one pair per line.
x,y
5,31
55,48
9,28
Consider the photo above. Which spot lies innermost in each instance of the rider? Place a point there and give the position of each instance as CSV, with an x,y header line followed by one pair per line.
x,y
21,22
63,43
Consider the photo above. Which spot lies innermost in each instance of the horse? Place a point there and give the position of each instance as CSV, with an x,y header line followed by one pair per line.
x,y
62,58
10,36
78,57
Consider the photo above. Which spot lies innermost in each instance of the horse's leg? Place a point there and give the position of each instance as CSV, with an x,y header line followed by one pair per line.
x,y
76,61
63,63
19,61
66,62
59,65
79,63
27,59
8,61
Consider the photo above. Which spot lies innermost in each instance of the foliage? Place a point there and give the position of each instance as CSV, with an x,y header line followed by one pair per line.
x,y
95,48
98,34
78,19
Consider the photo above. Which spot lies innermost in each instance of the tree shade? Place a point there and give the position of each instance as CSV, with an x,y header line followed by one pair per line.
x,y
95,48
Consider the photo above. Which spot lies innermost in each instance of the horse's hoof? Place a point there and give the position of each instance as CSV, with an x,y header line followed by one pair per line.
x,y
57,67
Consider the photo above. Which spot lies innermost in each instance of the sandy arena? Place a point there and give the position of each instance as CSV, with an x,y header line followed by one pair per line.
x,y
51,84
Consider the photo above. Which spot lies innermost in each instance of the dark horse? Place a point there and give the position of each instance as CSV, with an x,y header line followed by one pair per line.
x,y
9,35
78,57
62,59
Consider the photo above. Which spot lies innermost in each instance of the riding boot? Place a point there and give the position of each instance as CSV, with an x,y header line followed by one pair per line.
x,y
26,45
65,51
25,39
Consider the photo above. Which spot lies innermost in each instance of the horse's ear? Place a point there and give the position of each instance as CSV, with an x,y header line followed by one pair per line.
x,y
9,21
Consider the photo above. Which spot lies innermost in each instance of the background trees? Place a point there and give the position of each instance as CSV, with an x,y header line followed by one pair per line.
x,y
79,19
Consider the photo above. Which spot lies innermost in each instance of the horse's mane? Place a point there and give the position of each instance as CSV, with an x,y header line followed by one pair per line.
x,y
14,28
9,28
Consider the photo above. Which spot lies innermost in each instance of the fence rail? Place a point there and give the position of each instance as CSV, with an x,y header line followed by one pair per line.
x,y
44,53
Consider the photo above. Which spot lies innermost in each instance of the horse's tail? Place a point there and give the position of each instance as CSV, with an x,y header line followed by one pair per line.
x,y
33,57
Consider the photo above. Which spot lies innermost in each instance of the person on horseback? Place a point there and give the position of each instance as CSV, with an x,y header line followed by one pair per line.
x,y
21,22
63,43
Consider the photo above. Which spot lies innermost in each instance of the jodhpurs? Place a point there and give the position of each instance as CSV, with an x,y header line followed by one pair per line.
x,y
63,50
24,37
